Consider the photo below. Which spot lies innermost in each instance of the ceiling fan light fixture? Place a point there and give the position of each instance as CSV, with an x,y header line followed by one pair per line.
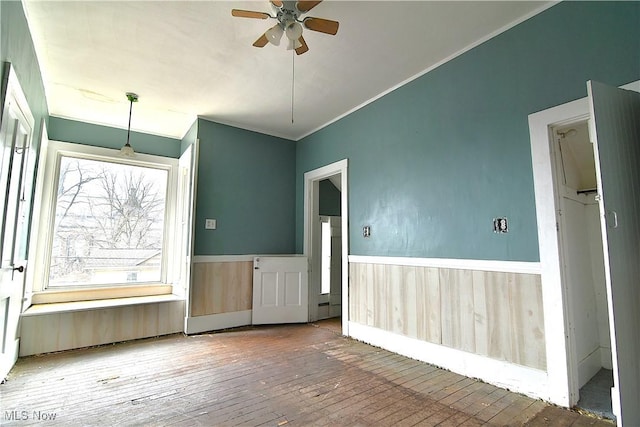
x,y
127,149
294,31
288,14
274,34
294,44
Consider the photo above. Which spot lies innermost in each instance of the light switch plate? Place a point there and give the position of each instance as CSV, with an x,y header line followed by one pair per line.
x,y
210,224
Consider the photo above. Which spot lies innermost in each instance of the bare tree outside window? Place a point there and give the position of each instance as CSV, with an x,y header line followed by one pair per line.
x,y
109,223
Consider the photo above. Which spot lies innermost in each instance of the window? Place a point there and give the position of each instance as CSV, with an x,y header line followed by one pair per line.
x,y
108,223
105,221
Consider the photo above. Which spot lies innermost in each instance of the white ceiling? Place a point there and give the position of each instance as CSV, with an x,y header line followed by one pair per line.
x,y
192,58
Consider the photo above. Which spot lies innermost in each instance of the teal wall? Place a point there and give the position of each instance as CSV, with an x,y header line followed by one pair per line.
x,y
432,163
16,46
109,137
246,181
329,199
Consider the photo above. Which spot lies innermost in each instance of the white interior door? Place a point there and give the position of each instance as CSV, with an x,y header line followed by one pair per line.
x,y
335,292
15,138
615,131
280,290
187,165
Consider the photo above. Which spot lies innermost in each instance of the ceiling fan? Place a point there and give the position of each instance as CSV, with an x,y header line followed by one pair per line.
x,y
289,22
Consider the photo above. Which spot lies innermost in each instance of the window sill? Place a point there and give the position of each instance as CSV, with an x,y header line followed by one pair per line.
x,y
99,294
67,307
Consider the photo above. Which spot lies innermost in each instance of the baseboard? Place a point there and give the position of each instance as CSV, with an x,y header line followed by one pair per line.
x,y
214,322
588,367
520,379
606,358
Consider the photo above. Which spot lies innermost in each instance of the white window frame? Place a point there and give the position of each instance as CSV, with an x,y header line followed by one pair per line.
x,y
42,230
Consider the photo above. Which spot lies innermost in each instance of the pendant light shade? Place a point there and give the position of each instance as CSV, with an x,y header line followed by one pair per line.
x,y
294,31
274,34
127,149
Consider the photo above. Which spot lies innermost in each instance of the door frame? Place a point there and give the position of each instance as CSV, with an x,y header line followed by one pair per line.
x,y
567,248
562,366
185,216
12,97
312,235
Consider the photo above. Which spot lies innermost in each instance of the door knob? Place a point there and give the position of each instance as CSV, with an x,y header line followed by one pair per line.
x,y
19,269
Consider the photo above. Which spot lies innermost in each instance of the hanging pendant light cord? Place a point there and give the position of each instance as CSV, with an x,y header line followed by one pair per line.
x,y
293,79
129,127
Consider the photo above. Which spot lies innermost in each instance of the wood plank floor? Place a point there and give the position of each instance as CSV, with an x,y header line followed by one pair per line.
x,y
301,375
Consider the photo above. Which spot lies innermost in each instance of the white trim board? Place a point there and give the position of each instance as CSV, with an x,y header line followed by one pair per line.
x,y
553,294
215,322
101,304
458,264
222,258
235,258
520,379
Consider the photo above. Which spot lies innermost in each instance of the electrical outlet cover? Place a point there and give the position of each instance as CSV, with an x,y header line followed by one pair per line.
x,y
500,225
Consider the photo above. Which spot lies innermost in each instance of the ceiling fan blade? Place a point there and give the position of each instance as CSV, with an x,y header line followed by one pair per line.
x,y
322,25
261,42
249,14
306,6
277,3
302,49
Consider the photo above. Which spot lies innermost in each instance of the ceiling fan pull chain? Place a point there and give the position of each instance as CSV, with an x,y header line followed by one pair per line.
x,y
293,79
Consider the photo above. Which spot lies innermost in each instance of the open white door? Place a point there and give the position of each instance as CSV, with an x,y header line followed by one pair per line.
x,y
188,164
615,131
335,291
280,290
15,145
